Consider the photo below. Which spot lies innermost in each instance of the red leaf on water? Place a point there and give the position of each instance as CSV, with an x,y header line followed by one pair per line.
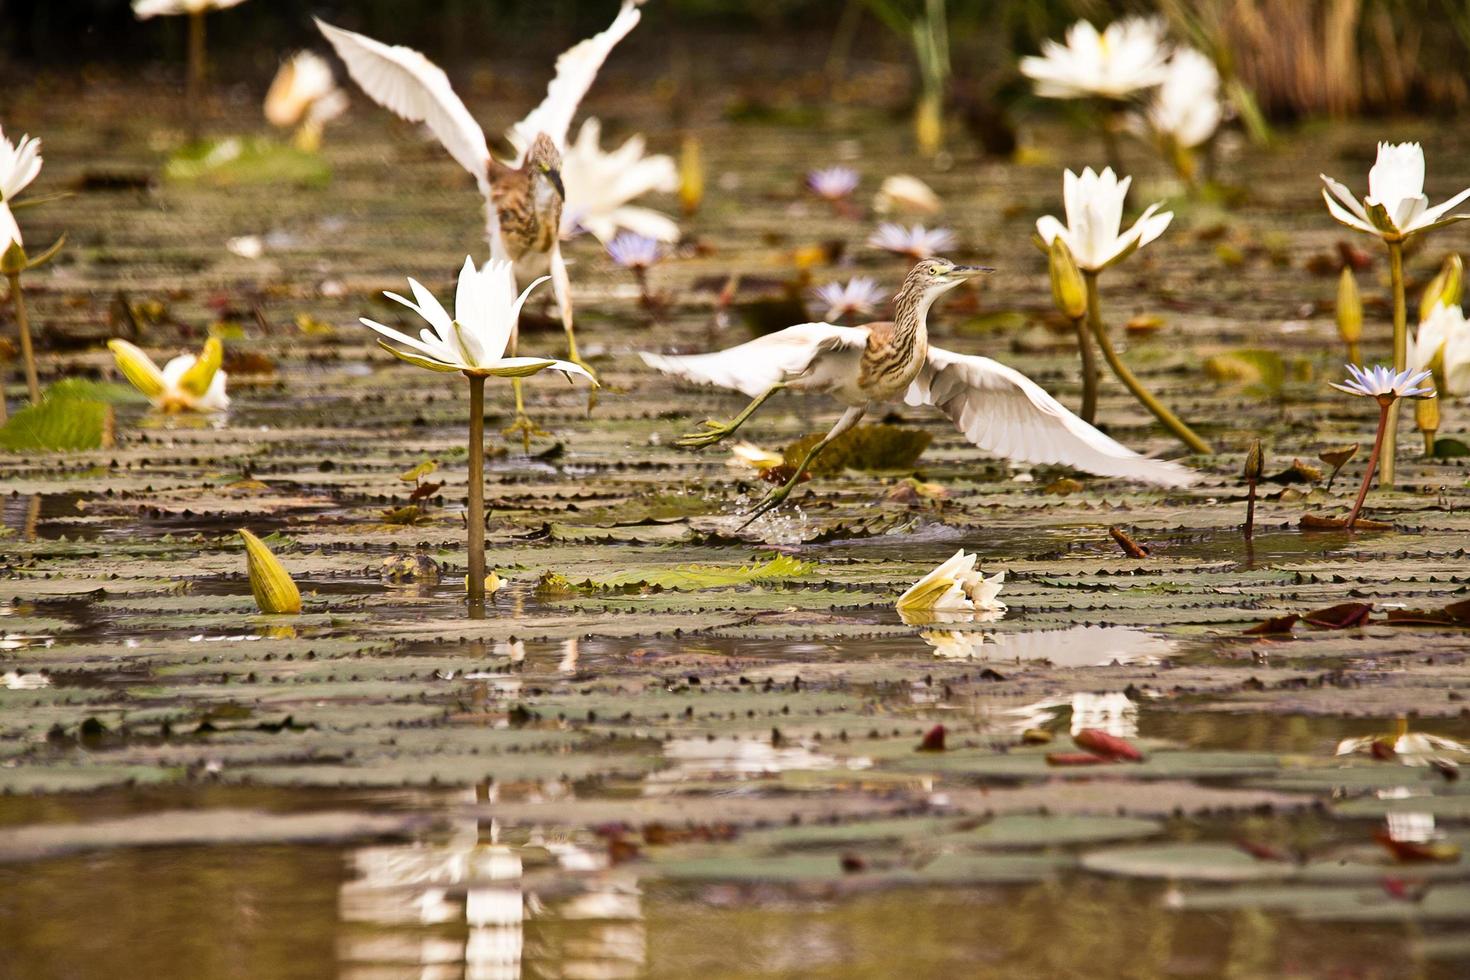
x,y
853,863
1274,626
1405,889
1344,615
1078,759
1101,743
933,740
1264,852
1418,852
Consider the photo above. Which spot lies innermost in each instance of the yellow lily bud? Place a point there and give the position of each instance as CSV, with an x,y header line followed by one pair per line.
x,y
138,368
14,261
1067,288
1426,417
197,379
1445,288
1349,313
274,591
691,175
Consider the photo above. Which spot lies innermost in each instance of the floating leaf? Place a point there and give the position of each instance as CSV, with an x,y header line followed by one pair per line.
x,y
59,424
1344,615
1275,626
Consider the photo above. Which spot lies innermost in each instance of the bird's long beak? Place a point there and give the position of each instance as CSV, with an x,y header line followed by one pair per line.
x,y
970,271
555,177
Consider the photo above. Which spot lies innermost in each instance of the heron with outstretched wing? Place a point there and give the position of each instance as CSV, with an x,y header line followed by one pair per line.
x,y
995,407
523,197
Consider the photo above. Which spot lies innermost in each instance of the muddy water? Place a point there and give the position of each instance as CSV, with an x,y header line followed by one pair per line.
x,y
626,777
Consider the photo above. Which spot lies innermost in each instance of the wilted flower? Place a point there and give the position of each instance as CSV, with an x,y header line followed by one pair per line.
x,y
955,586
143,9
1186,108
1130,55
832,183
634,251
186,384
486,309
599,186
855,297
19,165
901,192
304,93
916,242
1442,343
1094,207
1396,206
1384,383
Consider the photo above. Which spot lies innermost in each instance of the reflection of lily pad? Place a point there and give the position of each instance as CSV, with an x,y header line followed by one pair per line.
x,y
827,866
1011,831
1226,862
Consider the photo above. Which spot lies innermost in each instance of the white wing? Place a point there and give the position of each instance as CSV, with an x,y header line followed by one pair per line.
x,y
576,69
1005,413
755,366
411,86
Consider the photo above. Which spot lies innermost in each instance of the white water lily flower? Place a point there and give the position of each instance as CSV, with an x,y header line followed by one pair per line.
x,y
1187,108
1444,335
19,165
1094,206
916,242
486,310
304,90
955,586
143,9
906,193
747,455
1396,206
1413,748
1123,59
855,297
187,383
832,183
1383,382
599,186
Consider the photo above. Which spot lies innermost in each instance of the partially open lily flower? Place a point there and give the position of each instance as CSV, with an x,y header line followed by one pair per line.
x,y
955,586
599,186
185,384
1186,108
304,93
473,341
143,9
916,242
1396,206
901,192
1442,344
1412,748
857,296
1127,57
1093,232
19,165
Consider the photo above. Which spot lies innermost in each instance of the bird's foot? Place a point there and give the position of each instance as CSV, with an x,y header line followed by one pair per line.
x,y
712,432
771,502
525,428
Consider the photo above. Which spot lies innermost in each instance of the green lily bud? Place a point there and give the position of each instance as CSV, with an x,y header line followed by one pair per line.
x,y
1349,309
1067,288
1255,463
274,591
14,261
1445,288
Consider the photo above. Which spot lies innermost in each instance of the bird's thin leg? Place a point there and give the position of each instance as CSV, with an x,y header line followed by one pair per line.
x,y
561,287
775,497
523,425
715,430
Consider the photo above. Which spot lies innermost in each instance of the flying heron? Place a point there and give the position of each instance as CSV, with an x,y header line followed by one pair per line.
x,y
523,198
996,407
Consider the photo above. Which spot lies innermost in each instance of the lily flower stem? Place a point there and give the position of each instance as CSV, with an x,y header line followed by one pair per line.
x,y
1111,120
1384,415
23,324
476,518
1250,512
1089,371
194,80
1171,421
1400,360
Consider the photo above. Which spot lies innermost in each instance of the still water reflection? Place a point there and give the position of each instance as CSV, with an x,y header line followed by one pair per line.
x,y
1078,646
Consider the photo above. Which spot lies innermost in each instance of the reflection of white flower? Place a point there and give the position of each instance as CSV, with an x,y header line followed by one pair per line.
x,y
956,644
1396,205
955,586
1112,712
1446,335
1115,63
1094,208
1412,828
1186,108
599,186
